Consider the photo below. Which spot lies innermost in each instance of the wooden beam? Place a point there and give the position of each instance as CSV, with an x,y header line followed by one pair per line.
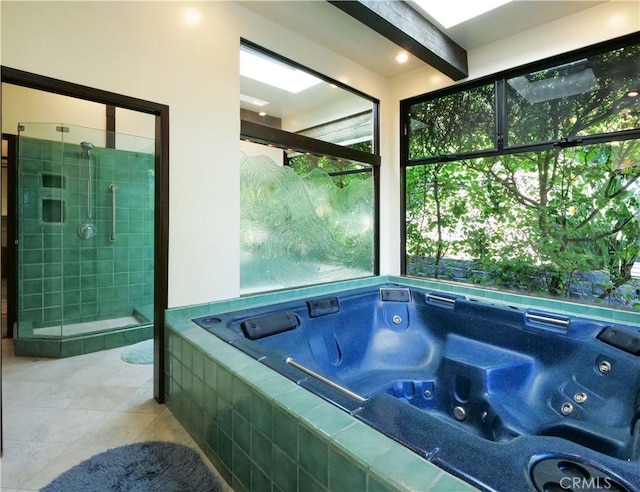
x,y
398,22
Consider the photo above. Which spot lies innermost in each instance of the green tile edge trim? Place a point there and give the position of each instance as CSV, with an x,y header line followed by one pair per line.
x,y
258,427
600,313
179,313
59,348
562,306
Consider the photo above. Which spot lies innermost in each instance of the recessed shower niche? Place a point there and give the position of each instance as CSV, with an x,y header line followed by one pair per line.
x,y
85,237
53,211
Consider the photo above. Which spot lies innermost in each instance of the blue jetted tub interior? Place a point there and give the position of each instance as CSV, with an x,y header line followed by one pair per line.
x,y
504,398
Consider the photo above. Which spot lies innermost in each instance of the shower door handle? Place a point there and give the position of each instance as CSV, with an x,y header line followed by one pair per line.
x,y
112,189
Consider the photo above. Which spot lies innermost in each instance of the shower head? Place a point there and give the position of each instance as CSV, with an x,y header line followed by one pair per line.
x,y
87,147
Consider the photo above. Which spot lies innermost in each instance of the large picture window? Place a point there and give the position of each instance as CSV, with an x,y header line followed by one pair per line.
x,y
308,177
553,208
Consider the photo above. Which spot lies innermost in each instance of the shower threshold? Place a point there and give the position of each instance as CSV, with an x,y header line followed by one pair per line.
x,y
88,327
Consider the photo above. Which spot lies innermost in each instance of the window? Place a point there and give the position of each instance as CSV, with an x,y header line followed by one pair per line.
x,y
553,208
584,97
308,174
456,123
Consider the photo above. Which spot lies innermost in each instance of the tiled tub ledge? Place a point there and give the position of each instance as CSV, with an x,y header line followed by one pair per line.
x,y
263,432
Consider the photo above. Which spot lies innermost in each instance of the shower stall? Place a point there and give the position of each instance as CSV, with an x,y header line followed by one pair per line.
x,y
85,249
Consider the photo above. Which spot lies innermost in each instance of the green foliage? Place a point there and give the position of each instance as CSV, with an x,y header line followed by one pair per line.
x,y
585,97
533,221
461,122
342,173
297,229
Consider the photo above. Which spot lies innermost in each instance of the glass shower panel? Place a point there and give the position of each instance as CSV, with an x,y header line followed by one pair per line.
x,y
86,246
42,214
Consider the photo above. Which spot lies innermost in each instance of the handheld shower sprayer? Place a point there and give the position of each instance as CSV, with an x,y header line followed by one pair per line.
x,y
87,147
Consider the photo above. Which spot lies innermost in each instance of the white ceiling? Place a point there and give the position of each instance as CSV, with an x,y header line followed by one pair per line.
x,y
353,40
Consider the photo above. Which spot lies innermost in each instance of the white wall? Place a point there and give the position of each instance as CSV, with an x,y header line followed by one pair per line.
x,y
134,124
86,119
22,105
600,23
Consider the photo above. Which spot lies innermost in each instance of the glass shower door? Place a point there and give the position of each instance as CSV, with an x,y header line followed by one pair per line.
x,y
85,231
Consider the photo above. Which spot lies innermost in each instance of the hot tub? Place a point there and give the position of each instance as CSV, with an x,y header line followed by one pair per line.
x,y
506,399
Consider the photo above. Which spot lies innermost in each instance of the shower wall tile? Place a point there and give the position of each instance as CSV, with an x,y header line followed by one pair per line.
x,y
71,269
33,271
34,256
32,301
52,298
93,274
52,255
104,267
105,307
32,287
88,295
50,270
53,315
31,241
52,284
72,297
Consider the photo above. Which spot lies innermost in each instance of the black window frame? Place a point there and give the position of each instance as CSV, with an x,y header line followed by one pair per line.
x,y
499,80
290,141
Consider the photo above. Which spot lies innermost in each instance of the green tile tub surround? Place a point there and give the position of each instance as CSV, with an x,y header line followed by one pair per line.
x,y
560,306
263,432
326,448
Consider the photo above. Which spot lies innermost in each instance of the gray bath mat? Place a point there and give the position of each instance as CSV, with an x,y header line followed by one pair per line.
x,y
138,353
141,467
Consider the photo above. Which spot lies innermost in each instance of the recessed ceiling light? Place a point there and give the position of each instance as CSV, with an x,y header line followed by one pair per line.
x,y
402,57
192,16
633,93
453,12
263,68
262,113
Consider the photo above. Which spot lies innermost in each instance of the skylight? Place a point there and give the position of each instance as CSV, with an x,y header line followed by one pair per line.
x,y
559,82
269,71
453,12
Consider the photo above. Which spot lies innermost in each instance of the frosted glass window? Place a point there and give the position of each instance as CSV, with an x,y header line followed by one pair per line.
x,y
306,222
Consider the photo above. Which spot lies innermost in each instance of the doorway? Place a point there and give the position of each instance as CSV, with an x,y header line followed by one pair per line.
x,y
160,190
7,260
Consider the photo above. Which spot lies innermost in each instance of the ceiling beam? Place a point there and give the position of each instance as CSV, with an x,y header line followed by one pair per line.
x,y
398,22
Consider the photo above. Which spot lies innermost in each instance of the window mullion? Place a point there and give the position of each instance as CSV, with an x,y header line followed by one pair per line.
x,y
501,116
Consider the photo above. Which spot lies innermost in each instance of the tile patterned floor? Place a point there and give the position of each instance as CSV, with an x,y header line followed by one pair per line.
x,y
59,412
